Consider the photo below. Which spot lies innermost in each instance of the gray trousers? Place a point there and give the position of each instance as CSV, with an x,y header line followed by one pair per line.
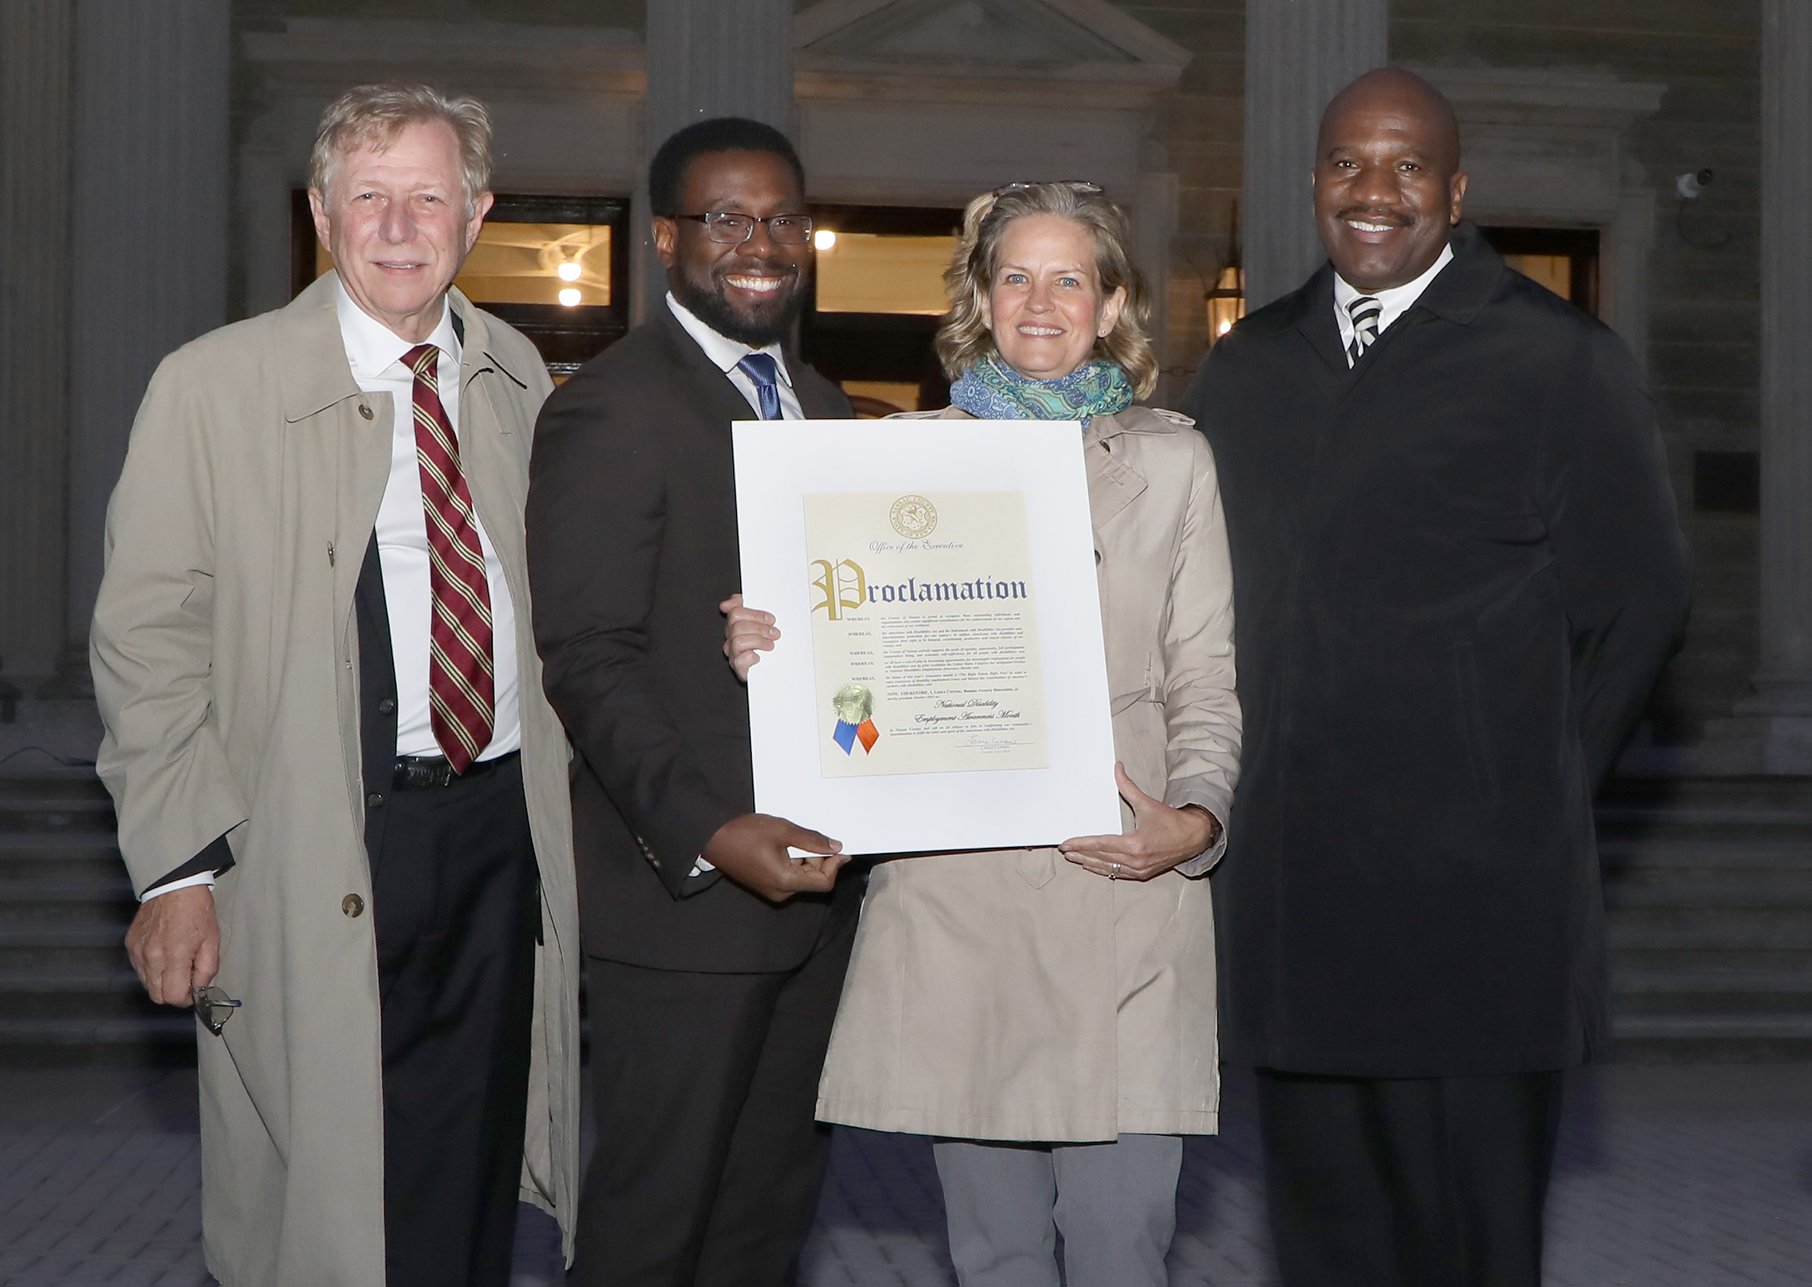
x,y
1115,1205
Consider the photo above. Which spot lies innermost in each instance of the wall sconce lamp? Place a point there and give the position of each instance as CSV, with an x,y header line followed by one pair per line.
x,y
1687,187
1225,301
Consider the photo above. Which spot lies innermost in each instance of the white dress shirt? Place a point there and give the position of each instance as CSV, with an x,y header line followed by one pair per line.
x,y
725,353
375,353
1393,302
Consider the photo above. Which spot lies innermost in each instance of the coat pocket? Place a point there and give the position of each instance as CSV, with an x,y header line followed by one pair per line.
x,y
1037,867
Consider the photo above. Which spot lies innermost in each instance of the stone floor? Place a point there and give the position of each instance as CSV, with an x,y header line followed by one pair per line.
x,y
1686,1176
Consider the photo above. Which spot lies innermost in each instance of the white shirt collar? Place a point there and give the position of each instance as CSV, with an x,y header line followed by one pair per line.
x,y
372,348
723,351
1394,301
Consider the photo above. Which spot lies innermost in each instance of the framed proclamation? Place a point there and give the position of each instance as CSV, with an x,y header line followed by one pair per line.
x,y
939,682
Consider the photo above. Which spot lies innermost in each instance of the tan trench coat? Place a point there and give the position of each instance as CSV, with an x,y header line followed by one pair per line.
x,y
226,669
1014,995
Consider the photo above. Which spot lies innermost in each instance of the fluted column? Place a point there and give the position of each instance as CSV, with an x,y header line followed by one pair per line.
x,y
149,237
36,102
710,58
1773,728
1298,53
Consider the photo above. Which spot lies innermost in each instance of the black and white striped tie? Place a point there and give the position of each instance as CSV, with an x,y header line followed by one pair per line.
x,y
1364,311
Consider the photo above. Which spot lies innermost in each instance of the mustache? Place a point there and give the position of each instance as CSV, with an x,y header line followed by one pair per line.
x,y
1371,214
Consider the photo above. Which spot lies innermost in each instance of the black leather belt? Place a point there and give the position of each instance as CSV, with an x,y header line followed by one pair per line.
x,y
432,772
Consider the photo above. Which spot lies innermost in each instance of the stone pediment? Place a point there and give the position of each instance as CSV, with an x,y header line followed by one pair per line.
x,y
979,40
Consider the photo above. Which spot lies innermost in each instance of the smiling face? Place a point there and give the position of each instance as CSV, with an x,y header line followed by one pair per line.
x,y
394,218
1046,308
1387,179
750,292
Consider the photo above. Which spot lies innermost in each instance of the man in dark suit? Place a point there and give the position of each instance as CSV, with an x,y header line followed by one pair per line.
x,y
1458,571
714,959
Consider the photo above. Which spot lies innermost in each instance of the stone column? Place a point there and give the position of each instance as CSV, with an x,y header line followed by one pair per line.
x,y
1772,731
36,104
1298,53
708,58
148,250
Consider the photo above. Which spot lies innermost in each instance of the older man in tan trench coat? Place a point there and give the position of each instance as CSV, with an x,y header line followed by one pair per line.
x,y
227,658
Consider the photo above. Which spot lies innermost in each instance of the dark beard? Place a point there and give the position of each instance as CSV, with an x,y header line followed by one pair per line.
x,y
714,311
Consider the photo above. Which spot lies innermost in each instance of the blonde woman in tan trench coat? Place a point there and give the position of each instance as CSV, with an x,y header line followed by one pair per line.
x,y
1048,1014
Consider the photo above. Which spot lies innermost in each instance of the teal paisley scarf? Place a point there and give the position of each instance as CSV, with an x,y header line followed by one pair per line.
x,y
992,390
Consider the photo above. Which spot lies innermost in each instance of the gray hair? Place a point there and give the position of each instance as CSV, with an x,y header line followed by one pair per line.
x,y
373,115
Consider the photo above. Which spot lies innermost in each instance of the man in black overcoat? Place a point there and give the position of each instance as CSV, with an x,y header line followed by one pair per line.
x,y
1458,571
713,959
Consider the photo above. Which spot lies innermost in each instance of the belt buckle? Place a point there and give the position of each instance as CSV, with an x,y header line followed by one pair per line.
x,y
422,773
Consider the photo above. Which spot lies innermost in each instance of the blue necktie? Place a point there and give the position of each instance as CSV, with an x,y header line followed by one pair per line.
x,y
760,368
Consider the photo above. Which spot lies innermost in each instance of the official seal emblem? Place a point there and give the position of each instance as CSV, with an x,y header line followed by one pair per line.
x,y
913,517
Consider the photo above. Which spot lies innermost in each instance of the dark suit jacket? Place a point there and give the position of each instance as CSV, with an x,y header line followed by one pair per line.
x,y
631,546
1458,571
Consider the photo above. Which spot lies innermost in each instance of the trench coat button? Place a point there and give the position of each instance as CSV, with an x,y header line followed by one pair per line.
x,y
353,906
375,800
386,706
365,410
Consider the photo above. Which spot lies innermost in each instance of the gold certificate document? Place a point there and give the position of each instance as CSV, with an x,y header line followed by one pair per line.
x,y
924,644
939,683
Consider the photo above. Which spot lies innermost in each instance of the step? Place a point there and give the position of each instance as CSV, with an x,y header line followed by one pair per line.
x,y
72,884
169,1026
90,992
61,893
1710,956
50,804
1682,1038
1623,797
1782,890
1736,836
1700,822
1776,928
61,945
48,846
1644,926
1663,989
51,784
47,853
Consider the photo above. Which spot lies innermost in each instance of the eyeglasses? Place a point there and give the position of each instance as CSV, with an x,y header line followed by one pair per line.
x,y
729,229
1082,186
213,1007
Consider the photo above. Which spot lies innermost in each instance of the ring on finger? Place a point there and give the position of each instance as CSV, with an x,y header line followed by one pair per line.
x,y
1113,872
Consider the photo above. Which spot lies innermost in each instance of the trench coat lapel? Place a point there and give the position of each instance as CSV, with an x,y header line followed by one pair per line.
x,y
324,404
1112,483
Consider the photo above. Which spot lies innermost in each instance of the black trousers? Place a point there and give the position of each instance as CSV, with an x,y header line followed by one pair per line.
x,y
1408,1182
709,1159
456,899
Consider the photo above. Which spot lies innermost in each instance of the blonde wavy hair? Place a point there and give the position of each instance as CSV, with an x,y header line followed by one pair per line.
x,y
963,338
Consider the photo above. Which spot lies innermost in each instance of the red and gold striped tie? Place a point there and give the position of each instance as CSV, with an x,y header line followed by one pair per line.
x,y
461,696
